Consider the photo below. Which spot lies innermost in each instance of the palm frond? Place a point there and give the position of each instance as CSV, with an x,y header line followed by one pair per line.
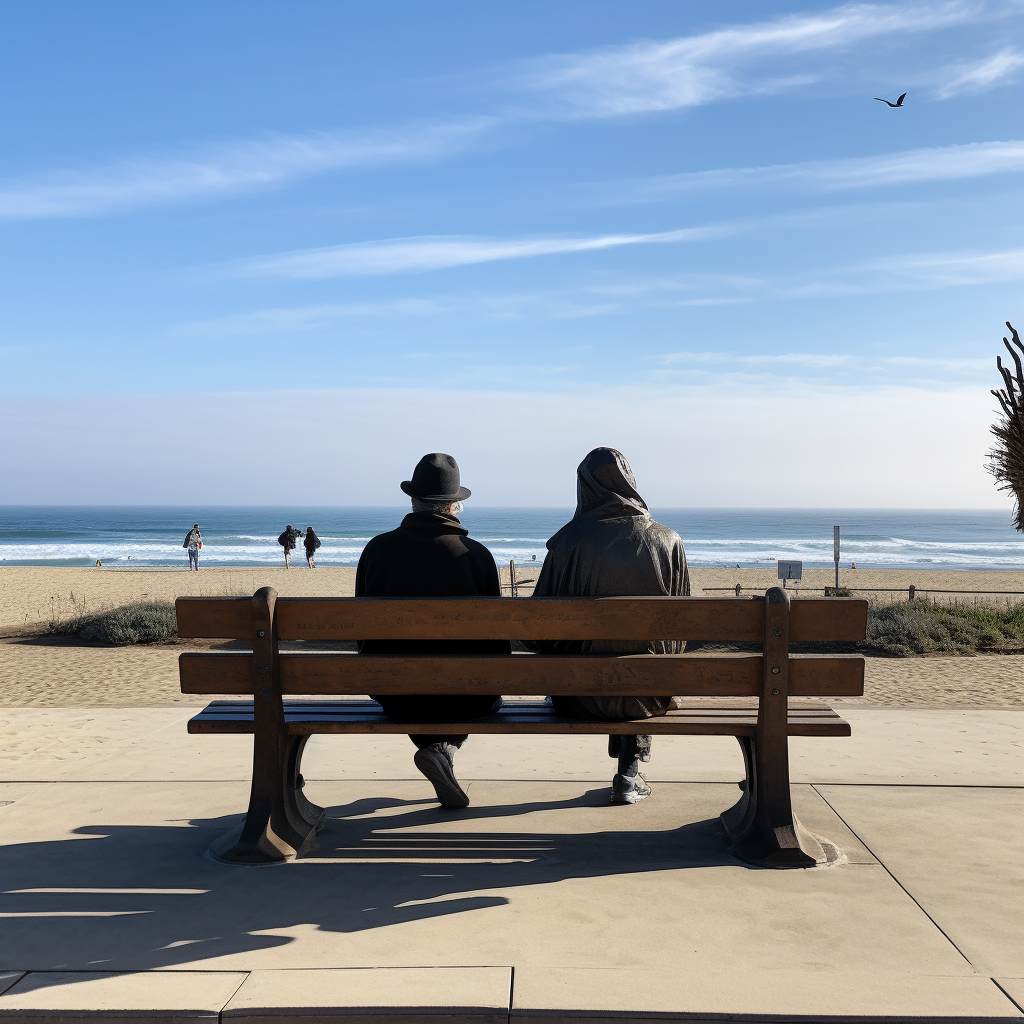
x,y
1007,456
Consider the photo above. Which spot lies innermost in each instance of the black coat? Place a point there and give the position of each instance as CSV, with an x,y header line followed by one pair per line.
x,y
429,555
287,539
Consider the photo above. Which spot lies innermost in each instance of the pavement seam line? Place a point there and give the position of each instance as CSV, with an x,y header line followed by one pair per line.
x,y
511,991
1007,994
220,1012
885,868
924,785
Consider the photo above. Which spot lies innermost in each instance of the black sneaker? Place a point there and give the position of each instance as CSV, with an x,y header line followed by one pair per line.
x,y
629,789
438,764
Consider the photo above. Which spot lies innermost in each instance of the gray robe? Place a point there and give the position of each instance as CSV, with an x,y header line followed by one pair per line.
x,y
612,548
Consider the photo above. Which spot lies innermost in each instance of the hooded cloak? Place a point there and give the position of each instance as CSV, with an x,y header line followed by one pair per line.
x,y
613,548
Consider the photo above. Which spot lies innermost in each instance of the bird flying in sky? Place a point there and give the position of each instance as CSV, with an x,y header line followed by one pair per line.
x,y
898,103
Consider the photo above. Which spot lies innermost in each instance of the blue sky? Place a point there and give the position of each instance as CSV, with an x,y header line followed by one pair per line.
x,y
397,226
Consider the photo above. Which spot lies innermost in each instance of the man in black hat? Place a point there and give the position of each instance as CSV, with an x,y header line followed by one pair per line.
x,y
431,555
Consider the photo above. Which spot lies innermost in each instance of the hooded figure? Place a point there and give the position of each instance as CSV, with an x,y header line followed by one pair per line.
x,y
613,548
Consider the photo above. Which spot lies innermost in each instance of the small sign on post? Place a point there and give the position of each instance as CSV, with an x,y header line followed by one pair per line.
x,y
835,552
789,570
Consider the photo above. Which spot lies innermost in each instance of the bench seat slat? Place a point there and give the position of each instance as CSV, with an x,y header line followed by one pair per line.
x,y
549,618
361,716
724,675
355,708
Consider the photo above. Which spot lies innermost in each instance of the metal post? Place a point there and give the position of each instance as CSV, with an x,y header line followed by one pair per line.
x,y
835,551
512,577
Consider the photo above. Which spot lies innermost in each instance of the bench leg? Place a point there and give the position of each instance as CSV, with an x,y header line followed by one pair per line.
x,y
738,818
281,823
762,826
299,807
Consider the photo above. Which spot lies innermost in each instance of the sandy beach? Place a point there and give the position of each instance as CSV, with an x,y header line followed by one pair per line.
x,y
30,596
41,671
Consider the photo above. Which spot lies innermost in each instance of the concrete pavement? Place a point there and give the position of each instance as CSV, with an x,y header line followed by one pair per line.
x,y
538,901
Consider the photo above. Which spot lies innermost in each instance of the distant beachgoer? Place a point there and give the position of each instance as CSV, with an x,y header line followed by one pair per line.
x,y
853,565
613,548
99,563
432,555
310,541
287,541
194,543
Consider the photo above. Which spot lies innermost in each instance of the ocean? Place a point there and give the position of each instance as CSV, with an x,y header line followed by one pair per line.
x,y
126,537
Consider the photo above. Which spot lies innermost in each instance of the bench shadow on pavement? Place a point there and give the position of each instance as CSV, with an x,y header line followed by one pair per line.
x,y
371,871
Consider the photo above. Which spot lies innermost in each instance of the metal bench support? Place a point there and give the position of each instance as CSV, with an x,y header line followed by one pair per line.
x,y
280,823
762,826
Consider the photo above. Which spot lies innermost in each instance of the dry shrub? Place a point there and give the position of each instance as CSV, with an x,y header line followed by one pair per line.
x,y
921,627
141,622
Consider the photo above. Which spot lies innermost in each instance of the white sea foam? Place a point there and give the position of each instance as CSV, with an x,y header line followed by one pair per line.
x,y
713,537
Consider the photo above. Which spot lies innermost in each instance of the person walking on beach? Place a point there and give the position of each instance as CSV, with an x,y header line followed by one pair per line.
x,y
287,541
613,548
310,541
194,543
431,555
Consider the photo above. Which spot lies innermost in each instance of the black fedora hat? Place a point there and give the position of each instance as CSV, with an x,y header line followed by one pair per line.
x,y
436,478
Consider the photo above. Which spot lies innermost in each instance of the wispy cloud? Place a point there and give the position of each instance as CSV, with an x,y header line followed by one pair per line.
x,y
926,271
906,272
815,368
920,272
789,359
227,168
638,78
727,63
438,252
428,253
822,361
913,166
981,75
560,305
283,320
902,273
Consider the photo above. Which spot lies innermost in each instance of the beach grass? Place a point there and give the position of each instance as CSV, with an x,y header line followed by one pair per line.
x,y
140,622
920,627
895,629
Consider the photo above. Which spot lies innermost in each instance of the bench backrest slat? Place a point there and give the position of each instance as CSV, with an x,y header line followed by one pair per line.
x,y
600,618
523,675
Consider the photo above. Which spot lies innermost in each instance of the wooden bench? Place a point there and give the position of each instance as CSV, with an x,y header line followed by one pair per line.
x,y
281,822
